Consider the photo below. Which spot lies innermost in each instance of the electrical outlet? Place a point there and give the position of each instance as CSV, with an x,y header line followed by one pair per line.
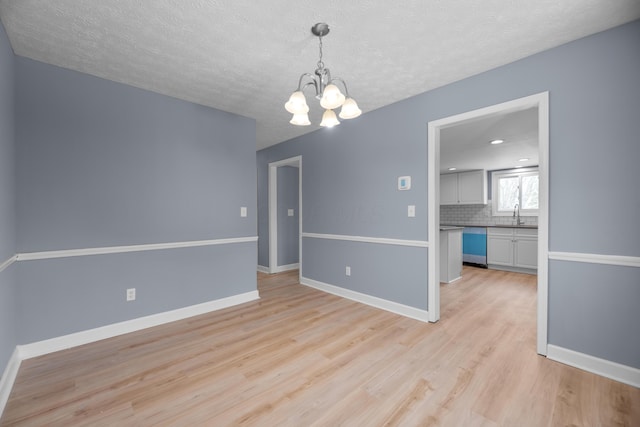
x,y
131,294
347,271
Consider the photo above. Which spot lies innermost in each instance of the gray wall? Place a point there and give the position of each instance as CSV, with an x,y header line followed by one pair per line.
x,y
390,278
288,226
7,202
587,306
349,187
350,172
65,295
104,164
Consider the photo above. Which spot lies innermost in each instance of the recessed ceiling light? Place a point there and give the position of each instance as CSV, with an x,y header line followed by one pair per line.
x,y
497,141
524,159
452,169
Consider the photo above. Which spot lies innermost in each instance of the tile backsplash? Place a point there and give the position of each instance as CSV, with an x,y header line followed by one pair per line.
x,y
478,215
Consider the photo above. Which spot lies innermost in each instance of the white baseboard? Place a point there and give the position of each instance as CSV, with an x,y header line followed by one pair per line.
x,y
8,378
27,351
278,269
513,269
615,371
40,348
288,267
394,307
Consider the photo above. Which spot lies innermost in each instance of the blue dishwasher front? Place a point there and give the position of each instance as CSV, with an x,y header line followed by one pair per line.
x,y
474,245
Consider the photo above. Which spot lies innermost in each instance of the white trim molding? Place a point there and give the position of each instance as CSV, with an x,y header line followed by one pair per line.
x,y
28,351
615,371
30,256
541,102
625,261
393,307
273,209
5,264
287,267
278,269
433,218
8,378
64,342
362,239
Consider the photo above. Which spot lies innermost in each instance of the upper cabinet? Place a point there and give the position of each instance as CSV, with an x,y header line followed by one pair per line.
x,y
464,188
449,189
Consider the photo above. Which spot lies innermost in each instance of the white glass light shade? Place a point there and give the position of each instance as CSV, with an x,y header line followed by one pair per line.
x,y
331,97
300,119
329,119
297,103
350,109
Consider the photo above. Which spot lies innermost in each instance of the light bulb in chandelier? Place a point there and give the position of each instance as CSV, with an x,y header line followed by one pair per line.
x,y
300,119
349,109
332,97
297,103
329,119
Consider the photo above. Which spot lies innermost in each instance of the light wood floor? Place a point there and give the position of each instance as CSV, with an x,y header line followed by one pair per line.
x,y
300,357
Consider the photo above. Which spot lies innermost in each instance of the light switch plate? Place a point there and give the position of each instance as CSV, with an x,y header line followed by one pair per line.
x,y
289,212
411,211
243,211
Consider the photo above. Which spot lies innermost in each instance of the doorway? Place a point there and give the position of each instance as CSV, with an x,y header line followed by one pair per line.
x,y
541,102
282,213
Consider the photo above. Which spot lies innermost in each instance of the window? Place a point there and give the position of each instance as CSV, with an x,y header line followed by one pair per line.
x,y
515,188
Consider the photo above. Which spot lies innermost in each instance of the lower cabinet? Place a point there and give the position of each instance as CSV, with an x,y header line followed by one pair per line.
x,y
512,247
526,252
450,255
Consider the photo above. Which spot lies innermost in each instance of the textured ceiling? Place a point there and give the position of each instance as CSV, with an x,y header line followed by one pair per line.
x,y
245,56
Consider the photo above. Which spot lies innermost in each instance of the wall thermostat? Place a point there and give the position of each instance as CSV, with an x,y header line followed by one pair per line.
x,y
404,183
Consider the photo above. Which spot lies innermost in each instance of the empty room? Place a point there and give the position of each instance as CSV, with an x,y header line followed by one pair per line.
x,y
319,213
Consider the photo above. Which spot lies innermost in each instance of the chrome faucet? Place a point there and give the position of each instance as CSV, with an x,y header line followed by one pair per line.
x,y
516,214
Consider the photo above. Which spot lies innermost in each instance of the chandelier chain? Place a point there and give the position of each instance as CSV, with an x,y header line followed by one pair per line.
x,y
320,63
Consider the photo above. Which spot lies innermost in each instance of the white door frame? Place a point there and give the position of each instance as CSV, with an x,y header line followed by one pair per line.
x,y
540,100
273,210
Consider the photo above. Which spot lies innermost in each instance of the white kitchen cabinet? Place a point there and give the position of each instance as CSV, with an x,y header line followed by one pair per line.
x,y
472,187
450,254
512,248
464,188
449,189
500,248
526,252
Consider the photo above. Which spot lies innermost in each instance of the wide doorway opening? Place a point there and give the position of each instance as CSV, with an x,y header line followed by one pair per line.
x,y
539,104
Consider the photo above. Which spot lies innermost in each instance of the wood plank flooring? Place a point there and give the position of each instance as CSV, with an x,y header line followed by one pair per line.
x,y
300,357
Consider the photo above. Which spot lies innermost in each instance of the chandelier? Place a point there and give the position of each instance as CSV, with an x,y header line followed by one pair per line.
x,y
326,91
